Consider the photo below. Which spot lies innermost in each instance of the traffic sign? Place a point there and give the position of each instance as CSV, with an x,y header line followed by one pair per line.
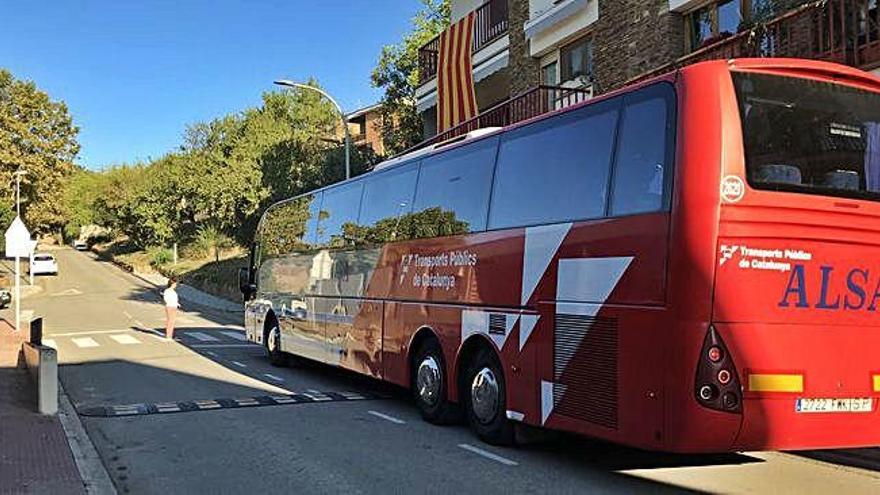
x,y
18,240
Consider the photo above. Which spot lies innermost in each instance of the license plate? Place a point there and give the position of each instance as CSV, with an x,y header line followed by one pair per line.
x,y
859,405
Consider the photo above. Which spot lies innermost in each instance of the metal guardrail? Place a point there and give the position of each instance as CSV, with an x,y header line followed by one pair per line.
x,y
532,103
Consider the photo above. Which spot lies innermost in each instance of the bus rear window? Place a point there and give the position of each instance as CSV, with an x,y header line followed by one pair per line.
x,y
810,137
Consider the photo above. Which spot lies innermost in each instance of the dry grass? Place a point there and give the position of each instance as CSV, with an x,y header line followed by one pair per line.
x,y
202,272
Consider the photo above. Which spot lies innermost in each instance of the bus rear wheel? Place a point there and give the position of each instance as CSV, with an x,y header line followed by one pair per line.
x,y
429,384
272,340
485,399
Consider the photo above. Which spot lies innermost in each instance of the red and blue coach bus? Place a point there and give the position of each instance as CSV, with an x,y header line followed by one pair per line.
x,y
686,265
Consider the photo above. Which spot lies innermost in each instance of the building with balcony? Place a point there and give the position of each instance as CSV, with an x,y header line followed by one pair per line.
x,y
490,55
365,129
533,56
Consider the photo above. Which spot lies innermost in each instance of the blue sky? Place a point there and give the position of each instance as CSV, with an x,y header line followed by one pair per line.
x,y
135,73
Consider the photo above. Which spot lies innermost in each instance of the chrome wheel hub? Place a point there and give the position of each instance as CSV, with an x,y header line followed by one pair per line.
x,y
273,339
485,395
428,380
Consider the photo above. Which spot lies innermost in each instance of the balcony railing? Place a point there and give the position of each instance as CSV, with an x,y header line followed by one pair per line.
x,y
843,31
536,101
491,23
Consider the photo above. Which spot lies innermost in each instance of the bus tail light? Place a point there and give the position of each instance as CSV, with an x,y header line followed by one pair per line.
x,y
717,384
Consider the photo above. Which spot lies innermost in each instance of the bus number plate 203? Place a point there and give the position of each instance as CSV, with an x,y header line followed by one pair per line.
x,y
861,405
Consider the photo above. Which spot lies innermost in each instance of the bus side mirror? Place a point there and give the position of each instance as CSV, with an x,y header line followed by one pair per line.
x,y
247,288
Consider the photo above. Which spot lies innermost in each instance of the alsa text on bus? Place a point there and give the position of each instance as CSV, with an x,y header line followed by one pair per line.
x,y
860,292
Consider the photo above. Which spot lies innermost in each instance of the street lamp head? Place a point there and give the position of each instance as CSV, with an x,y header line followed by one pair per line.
x,y
285,82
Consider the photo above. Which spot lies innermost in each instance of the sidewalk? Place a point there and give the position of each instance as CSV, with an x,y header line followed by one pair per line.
x,y
34,454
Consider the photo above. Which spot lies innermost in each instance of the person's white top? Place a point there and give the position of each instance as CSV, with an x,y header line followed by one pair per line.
x,y
171,299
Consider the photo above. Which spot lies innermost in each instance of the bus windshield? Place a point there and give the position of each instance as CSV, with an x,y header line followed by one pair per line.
x,y
810,137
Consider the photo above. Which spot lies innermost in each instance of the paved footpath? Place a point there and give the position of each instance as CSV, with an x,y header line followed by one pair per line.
x,y
34,454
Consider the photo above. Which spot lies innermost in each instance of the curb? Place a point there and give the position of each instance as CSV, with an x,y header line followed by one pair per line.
x,y
95,477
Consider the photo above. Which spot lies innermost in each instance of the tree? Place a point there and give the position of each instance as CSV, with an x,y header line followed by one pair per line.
x,y
397,72
78,198
36,134
226,172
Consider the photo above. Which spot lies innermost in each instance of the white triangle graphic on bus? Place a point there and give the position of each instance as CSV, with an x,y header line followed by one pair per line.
x,y
526,325
581,279
541,246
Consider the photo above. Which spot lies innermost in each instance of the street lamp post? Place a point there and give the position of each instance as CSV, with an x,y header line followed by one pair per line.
x,y
18,174
291,84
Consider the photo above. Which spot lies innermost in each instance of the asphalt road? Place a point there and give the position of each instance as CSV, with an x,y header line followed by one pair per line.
x,y
325,431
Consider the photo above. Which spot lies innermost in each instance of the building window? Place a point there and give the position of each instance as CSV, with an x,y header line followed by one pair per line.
x,y
715,21
549,76
576,60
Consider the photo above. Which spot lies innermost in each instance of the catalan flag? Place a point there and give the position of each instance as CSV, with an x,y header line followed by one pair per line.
x,y
456,101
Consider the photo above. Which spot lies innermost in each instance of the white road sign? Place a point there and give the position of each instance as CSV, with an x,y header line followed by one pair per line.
x,y
18,240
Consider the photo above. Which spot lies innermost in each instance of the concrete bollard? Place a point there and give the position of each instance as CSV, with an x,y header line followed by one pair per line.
x,y
42,363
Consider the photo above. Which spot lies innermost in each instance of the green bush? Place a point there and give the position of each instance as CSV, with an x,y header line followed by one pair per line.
x,y
160,256
210,240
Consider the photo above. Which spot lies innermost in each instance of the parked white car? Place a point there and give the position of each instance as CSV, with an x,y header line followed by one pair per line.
x,y
44,264
80,245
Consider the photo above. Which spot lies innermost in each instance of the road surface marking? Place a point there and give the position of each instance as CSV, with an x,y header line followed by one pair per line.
x,y
68,292
219,346
207,404
488,455
317,396
50,343
127,315
125,339
387,417
273,377
85,342
247,402
234,335
168,407
352,395
203,337
92,332
212,354
240,365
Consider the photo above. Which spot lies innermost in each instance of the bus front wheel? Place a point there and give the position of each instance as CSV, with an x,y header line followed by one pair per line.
x,y
486,399
429,384
272,340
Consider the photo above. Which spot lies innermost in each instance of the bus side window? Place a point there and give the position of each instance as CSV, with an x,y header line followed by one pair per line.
x,y
387,204
339,213
452,195
288,227
643,167
555,170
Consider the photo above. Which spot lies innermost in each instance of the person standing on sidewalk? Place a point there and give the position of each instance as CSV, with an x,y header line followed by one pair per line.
x,y
171,304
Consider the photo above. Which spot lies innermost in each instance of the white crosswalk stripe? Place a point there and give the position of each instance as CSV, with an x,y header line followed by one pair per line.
x,y
84,342
234,335
50,343
203,337
125,339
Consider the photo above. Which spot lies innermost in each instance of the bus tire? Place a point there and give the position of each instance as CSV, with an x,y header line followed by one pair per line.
x,y
272,342
485,399
430,384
